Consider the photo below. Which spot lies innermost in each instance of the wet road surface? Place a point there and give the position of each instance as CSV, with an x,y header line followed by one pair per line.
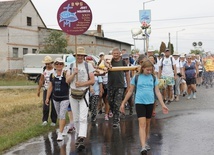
x,y
186,130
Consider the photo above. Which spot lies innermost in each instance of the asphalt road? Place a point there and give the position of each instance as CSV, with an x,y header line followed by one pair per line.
x,y
186,130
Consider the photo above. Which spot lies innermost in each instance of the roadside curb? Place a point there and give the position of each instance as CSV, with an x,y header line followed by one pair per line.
x,y
18,87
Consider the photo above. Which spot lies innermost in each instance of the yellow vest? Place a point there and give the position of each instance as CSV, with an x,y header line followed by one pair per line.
x,y
209,64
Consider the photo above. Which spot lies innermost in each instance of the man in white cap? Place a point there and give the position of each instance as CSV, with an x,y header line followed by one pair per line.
x,y
43,82
167,71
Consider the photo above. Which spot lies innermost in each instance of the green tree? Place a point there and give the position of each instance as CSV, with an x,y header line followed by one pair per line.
x,y
196,52
55,43
162,47
171,48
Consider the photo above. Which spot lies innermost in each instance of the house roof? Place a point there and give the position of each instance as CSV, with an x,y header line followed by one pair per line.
x,y
9,8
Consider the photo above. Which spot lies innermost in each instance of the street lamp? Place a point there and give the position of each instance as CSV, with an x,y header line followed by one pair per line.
x,y
177,39
144,41
146,2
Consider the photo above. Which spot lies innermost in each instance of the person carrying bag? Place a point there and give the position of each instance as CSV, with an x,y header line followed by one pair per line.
x,y
80,79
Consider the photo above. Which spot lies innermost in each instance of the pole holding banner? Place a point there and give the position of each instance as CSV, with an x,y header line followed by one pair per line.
x,y
74,17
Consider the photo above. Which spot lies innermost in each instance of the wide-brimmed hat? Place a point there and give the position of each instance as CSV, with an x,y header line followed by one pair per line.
x,y
101,53
182,55
151,50
47,59
80,51
176,54
59,60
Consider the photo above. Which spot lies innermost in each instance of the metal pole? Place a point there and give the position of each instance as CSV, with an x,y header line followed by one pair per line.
x,y
176,41
76,56
145,39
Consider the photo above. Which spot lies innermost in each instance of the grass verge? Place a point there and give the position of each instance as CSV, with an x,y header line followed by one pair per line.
x,y
10,79
20,117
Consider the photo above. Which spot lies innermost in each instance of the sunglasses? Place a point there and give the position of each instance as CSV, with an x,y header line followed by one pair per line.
x,y
57,63
47,64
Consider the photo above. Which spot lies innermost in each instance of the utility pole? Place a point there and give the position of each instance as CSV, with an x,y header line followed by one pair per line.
x,y
170,44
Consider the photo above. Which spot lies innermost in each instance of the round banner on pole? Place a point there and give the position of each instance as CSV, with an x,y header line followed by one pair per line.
x,y
74,17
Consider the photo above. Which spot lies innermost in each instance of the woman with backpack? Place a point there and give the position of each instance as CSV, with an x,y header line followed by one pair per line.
x,y
148,84
59,89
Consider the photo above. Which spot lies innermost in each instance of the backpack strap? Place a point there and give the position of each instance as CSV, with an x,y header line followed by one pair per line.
x,y
136,79
71,66
87,70
172,63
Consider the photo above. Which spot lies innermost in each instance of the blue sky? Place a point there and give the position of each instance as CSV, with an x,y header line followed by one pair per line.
x,y
118,17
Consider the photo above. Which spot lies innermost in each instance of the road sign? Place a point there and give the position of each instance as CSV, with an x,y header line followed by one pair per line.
x,y
74,17
145,16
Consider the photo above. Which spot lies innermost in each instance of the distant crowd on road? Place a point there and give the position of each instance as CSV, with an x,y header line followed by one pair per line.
x,y
84,93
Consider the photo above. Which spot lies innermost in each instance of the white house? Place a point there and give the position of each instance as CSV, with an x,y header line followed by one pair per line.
x,y
22,31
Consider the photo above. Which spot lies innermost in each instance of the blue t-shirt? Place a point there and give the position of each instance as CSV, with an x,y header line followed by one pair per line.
x,y
145,89
96,86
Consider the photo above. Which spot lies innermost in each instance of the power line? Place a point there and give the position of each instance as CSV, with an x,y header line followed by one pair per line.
x,y
182,18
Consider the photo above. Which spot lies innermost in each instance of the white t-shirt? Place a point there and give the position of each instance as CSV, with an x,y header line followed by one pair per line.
x,y
105,78
47,74
82,74
167,66
179,65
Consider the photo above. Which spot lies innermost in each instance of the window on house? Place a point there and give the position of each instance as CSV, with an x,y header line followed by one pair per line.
x,y
25,51
29,21
15,52
34,51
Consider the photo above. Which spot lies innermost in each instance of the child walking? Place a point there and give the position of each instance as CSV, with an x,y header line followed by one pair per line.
x,y
145,85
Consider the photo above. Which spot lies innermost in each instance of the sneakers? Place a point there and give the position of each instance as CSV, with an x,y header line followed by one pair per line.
x,y
143,151
116,123
65,131
72,129
93,118
110,115
80,144
100,112
189,96
106,117
147,147
194,96
44,123
59,137
53,124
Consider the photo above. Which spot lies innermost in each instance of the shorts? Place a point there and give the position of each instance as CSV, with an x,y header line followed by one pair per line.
x,y
200,74
69,107
105,91
183,81
191,81
170,81
144,110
